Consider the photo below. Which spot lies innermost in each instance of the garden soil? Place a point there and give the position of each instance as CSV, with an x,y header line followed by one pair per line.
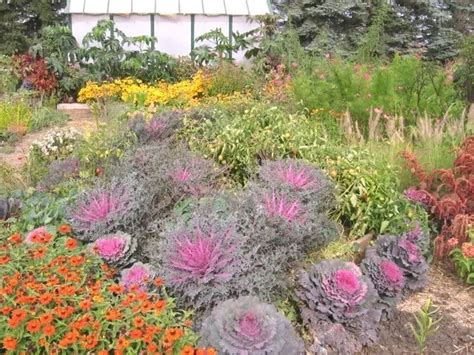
x,y
456,311
17,157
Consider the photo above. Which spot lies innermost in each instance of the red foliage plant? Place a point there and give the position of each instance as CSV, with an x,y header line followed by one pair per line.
x,y
35,71
449,196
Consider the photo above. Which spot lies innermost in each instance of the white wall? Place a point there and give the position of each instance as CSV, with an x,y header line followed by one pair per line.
x,y
173,34
242,24
83,24
205,24
134,25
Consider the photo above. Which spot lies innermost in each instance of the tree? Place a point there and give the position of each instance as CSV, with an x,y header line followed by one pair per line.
x,y
21,20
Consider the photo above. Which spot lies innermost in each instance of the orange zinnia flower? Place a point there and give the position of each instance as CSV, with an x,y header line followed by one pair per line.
x,y
71,244
46,318
138,322
49,330
64,312
158,282
160,305
113,314
122,343
89,342
116,288
103,352
33,326
187,350
9,343
13,323
152,348
209,351
136,334
15,238
64,229
77,260
45,298
6,310
19,314
39,253
4,259
85,305
173,334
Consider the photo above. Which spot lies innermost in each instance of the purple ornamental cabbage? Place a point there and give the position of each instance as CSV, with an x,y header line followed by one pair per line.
x,y
306,182
199,261
387,278
418,196
115,249
279,206
334,292
247,326
406,254
419,237
96,209
138,276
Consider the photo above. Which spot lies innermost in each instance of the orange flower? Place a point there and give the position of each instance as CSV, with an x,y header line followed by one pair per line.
x,y
6,310
113,314
85,305
148,338
208,351
67,290
15,238
187,350
46,318
64,229
122,343
167,343
71,244
152,348
69,338
136,334
103,352
49,330
138,322
39,253
158,282
9,343
160,305
33,326
116,288
4,259
77,260
146,306
19,314
64,312
173,334
45,298
89,342
13,323
188,323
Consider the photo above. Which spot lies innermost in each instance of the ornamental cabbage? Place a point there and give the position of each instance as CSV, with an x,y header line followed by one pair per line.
x,y
336,292
116,249
247,326
406,254
138,276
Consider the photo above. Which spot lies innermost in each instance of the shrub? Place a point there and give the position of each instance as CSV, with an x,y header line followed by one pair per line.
x,y
448,196
337,302
14,114
246,325
59,171
159,128
57,144
99,211
406,254
228,78
35,72
463,259
115,249
46,117
67,301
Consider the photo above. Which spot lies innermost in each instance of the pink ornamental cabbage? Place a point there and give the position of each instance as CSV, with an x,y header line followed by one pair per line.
x,y
337,291
116,249
200,257
386,276
279,206
418,196
138,276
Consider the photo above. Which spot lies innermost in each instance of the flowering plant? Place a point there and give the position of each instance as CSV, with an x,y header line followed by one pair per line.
x,y
57,298
57,144
58,172
248,326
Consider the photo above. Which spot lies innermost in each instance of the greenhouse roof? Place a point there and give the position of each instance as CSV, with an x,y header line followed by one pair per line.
x,y
170,7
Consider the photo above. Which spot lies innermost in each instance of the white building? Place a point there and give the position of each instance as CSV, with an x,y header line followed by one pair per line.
x,y
175,23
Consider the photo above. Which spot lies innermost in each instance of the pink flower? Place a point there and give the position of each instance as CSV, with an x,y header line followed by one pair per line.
x,y
138,275
34,233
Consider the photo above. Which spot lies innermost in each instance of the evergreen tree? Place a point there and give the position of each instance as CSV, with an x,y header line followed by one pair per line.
x,y
21,20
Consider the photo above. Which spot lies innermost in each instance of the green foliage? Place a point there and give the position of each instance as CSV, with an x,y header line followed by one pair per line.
x,y
464,74
373,44
21,20
405,86
8,77
105,55
228,78
44,117
464,265
425,324
369,196
14,112
10,180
